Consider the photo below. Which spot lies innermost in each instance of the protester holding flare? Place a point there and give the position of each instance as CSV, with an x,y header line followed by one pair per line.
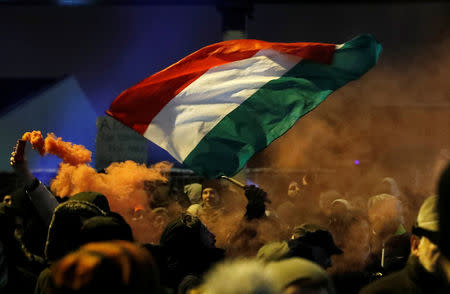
x,y
42,199
123,183
24,223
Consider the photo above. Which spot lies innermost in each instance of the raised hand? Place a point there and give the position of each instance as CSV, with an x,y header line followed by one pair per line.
x,y
255,194
19,162
256,207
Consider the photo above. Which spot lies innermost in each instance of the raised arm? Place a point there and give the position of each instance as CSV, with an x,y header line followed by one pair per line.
x,y
41,198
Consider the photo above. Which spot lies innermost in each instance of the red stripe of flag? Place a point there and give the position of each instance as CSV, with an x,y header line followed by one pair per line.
x,y
137,106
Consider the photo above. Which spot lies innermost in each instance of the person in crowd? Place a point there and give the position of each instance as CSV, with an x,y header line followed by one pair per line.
x,y
19,267
105,267
189,284
194,193
274,251
243,276
160,218
326,198
298,275
358,266
43,201
7,199
24,220
212,207
83,218
298,207
422,273
314,243
444,224
339,211
231,217
287,208
386,220
350,230
186,247
167,195
9,182
396,254
294,190
255,228
387,185
308,241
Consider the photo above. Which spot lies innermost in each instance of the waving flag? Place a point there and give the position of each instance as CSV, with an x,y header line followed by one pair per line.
x,y
215,108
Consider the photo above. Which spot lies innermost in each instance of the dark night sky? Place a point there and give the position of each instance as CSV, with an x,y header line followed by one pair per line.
x,y
109,48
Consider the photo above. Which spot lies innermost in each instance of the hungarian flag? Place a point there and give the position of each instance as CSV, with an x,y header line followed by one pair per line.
x,y
215,108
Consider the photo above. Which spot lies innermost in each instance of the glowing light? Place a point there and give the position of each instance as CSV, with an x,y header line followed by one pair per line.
x,y
356,162
75,2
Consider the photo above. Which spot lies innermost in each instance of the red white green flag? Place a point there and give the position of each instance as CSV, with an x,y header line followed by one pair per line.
x,y
215,108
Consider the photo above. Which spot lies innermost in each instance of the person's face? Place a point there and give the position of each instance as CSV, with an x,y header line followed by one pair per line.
x,y
210,197
161,220
7,199
427,252
337,212
294,190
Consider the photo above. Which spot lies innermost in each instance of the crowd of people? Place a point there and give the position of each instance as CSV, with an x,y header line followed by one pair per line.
x,y
221,239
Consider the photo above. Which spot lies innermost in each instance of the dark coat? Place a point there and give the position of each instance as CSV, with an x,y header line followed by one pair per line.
x,y
182,252
413,279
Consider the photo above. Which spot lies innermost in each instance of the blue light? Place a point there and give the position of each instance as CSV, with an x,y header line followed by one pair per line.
x,y
356,162
75,2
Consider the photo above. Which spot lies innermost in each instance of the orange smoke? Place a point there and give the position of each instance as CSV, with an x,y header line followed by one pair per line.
x,y
36,140
123,185
68,152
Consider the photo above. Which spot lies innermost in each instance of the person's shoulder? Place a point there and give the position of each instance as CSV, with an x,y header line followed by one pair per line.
x,y
44,282
396,282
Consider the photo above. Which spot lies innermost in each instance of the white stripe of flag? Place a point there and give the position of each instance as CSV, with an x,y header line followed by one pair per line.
x,y
196,110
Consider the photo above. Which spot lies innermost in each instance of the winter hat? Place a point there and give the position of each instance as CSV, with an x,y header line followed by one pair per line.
x,y
104,228
305,272
428,217
95,198
68,217
313,235
106,267
194,192
273,251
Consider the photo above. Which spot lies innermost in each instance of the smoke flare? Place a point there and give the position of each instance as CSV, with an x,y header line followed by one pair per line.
x,y
68,152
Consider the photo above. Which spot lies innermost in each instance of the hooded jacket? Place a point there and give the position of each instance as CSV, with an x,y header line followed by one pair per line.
x,y
184,251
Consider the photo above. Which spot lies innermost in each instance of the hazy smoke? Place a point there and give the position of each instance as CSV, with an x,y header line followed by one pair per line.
x,y
393,122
